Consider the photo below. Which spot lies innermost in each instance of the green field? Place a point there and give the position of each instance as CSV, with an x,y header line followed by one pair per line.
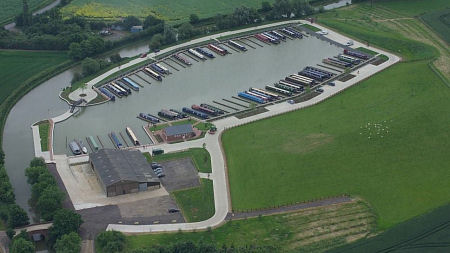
x,y
197,203
44,128
383,140
10,8
169,10
17,67
292,232
426,233
439,21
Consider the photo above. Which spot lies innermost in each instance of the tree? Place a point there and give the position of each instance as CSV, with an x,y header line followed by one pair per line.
x,y
21,245
152,21
111,241
65,221
32,173
115,58
26,15
38,162
75,51
2,157
194,19
265,6
44,181
130,21
156,41
89,66
170,35
282,8
17,217
186,31
10,233
69,243
50,202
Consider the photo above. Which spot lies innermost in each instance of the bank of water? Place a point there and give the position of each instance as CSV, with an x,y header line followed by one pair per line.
x,y
40,103
203,82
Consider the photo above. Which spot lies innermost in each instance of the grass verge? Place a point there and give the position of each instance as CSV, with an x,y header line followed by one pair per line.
x,y
311,27
291,232
196,203
44,128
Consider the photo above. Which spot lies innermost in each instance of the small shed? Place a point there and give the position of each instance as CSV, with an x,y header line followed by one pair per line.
x,y
136,29
178,133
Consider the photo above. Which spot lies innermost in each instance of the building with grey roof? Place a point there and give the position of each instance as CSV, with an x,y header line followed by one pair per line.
x,y
123,171
178,133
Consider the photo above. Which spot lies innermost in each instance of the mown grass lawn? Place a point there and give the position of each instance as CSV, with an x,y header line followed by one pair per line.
x,y
16,67
197,203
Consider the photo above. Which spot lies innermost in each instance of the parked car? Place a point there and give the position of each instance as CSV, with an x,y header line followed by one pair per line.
x,y
349,43
319,90
322,32
173,210
331,84
290,101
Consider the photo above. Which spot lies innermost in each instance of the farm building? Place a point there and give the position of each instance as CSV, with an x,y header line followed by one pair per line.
x,y
178,133
136,29
123,171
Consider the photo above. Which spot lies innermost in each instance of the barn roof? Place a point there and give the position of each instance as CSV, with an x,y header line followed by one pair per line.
x,y
115,165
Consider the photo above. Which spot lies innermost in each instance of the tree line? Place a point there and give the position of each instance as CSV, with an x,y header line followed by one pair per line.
x,y
47,201
115,242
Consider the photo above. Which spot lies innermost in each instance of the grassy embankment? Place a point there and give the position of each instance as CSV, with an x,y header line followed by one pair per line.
x,y
179,11
291,232
376,140
44,128
22,71
10,8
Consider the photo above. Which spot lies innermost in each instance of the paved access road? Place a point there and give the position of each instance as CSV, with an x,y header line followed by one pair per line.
x,y
12,25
